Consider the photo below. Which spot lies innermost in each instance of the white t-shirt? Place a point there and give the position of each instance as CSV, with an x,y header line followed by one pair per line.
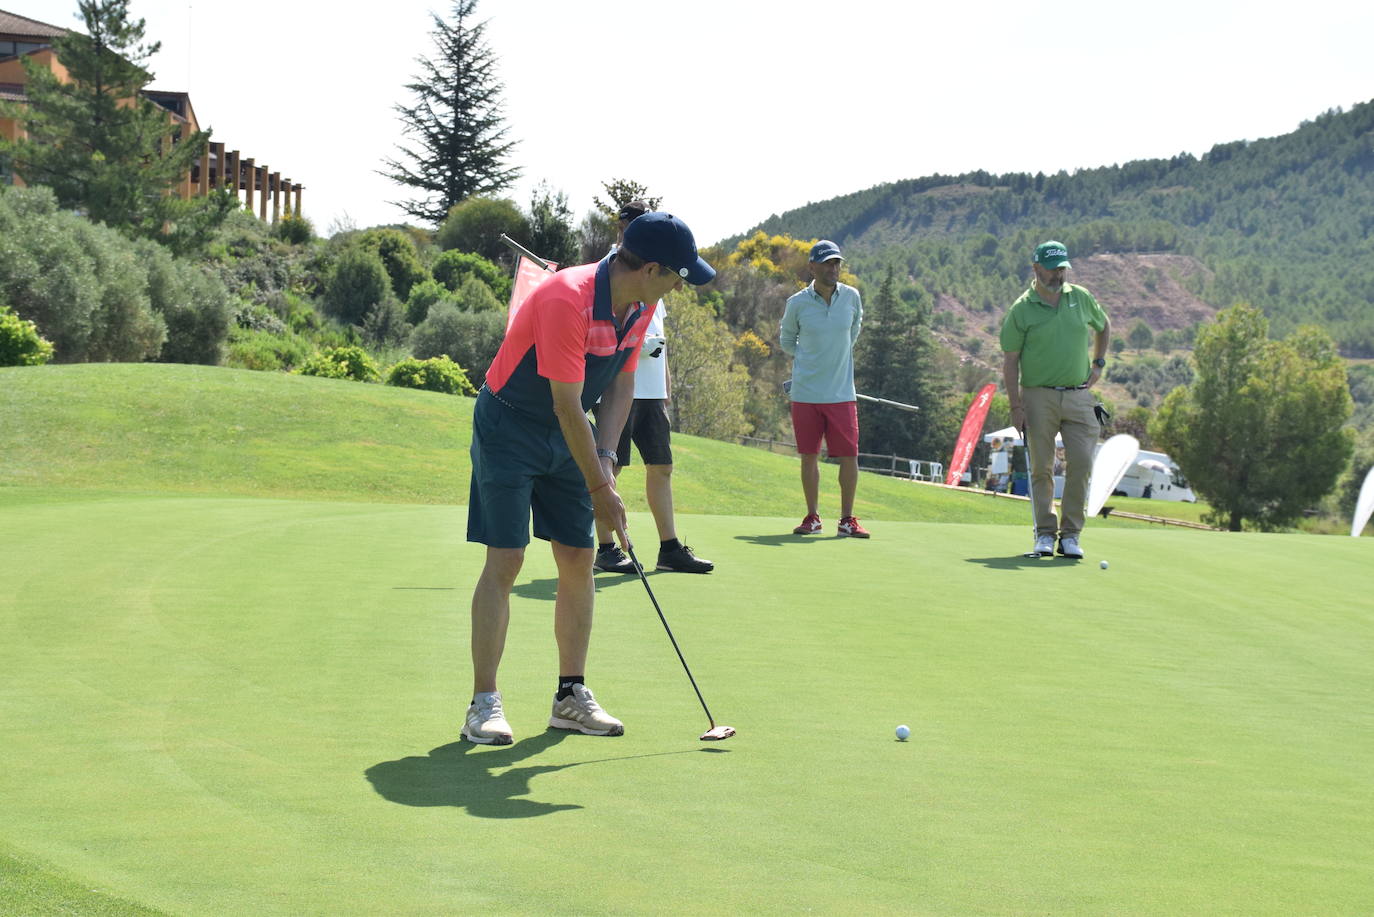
x,y
651,376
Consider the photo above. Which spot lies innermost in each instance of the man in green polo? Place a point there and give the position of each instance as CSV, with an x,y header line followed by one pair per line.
x,y
1054,347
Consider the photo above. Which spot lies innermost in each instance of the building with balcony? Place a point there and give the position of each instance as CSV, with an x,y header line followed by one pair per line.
x,y
261,190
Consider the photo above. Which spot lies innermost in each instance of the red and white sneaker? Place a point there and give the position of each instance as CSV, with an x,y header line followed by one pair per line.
x,y
850,528
809,526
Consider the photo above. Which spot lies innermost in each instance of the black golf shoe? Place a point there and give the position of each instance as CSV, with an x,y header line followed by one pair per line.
x,y
682,560
613,560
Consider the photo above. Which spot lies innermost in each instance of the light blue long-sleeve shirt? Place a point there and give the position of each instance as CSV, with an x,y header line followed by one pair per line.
x,y
820,338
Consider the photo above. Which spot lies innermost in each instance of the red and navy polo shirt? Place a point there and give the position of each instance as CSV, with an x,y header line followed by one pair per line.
x,y
566,331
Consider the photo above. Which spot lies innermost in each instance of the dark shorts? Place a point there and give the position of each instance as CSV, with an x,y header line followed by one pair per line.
x,y
520,468
837,423
649,428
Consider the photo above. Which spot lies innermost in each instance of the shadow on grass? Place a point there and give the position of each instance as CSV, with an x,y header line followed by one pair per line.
x,y
1019,561
777,541
547,589
463,776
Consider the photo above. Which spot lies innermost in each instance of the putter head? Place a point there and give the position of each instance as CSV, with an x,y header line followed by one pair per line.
x,y
717,733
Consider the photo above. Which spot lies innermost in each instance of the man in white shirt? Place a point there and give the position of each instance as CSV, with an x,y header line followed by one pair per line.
x,y
649,428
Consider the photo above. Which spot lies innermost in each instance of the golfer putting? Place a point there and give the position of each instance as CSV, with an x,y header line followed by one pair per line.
x,y
534,452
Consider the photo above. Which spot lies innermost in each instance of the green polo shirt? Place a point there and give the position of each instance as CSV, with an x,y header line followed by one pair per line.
x,y
1055,343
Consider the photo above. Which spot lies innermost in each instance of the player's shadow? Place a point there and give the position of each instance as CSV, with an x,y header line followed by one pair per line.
x,y
461,776
546,590
1019,562
777,541
483,782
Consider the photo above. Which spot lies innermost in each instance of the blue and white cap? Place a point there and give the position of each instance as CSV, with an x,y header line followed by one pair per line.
x,y
825,250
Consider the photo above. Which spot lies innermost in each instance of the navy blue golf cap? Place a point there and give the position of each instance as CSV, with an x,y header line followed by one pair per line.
x,y
664,239
825,250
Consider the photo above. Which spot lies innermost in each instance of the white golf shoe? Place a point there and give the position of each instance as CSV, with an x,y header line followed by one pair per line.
x,y
1044,545
486,723
1068,546
580,712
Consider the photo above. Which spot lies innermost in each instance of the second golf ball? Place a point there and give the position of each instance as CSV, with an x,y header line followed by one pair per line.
x,y
1103,565
903,732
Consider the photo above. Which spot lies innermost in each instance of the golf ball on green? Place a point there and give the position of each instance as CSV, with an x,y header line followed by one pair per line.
x,y
1103,565
903,732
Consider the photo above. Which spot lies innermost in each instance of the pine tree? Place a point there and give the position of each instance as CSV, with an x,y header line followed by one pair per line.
x,y
99,144
457,134
895,358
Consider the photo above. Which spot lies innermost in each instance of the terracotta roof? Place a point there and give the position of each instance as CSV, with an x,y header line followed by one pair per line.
x,y
12,24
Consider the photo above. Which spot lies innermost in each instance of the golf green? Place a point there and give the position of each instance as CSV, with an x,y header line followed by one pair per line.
x,y
250,706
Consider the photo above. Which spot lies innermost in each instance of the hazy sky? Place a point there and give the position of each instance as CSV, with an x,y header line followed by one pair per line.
x,y
732,111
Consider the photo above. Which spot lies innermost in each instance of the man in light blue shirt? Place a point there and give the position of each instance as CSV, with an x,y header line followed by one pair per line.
x,y
819,328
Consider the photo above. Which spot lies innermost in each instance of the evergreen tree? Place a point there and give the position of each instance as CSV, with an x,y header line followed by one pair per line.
x,y
100,145
458,135
895,358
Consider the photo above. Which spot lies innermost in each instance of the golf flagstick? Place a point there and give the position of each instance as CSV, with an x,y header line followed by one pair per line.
x,y
522,250
715,733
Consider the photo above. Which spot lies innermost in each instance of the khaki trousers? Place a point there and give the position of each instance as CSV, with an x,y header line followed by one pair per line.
x,y
1069,414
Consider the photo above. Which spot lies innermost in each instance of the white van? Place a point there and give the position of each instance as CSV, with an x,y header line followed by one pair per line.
x,y
1157,477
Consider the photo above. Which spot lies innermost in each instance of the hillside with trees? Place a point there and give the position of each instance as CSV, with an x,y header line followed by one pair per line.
x,y
1281,223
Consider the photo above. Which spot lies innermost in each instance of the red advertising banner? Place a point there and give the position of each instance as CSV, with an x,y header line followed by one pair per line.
x,y
969,433
528,275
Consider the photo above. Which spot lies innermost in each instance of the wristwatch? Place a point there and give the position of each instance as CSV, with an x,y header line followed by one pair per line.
x,y
1100,362
610,454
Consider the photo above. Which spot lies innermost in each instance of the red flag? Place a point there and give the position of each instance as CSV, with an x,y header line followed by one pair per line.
x,y
968,434
528,275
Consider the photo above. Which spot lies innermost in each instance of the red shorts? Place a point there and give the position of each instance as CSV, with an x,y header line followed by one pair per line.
x,y
838,423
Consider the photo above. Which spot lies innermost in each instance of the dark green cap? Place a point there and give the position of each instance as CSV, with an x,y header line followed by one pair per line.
x,y
1051,255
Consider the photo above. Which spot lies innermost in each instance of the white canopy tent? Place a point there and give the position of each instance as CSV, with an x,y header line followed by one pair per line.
x,y
1014,435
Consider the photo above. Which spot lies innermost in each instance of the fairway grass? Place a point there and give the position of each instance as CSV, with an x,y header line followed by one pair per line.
x,y
238,705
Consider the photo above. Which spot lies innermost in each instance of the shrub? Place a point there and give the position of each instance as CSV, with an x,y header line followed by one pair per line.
x,y
356,285
295,312
342,363
294,230
453,267
475,296
20,342
195,306
476,224
386,323
82,284
471,339
266,352
422,297
399,257
437,374
254,317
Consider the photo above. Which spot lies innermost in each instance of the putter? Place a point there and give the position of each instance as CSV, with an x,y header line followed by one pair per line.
x,y
1030,491
715,733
